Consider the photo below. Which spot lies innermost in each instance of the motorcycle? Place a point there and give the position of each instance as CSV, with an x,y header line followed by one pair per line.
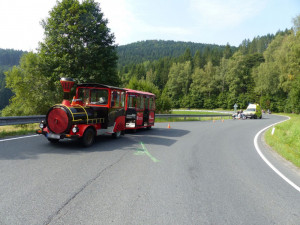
x,y
239,115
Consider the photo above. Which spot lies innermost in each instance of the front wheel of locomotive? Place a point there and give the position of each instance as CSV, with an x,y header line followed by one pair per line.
x,y
88,137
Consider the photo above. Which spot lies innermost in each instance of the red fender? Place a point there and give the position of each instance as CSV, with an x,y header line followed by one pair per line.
x,y
82,128
119,124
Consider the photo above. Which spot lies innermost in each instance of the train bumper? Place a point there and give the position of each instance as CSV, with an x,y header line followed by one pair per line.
x,y
56,136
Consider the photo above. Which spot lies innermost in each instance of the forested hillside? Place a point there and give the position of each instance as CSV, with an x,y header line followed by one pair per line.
x,y
8,58
150,50
265,70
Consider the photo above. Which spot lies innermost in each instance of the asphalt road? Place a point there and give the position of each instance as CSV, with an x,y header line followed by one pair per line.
x,y
192,173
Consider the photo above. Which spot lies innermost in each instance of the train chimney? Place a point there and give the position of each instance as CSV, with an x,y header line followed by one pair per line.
x,y
67,84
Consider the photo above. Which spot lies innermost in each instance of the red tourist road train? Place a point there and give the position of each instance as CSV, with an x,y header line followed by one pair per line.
x,y
98,109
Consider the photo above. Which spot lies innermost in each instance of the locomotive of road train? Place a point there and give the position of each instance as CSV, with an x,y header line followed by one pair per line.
x,y
97,109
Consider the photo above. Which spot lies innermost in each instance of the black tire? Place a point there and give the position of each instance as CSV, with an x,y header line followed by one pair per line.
x,y
53,141
117,134
88,138
149,128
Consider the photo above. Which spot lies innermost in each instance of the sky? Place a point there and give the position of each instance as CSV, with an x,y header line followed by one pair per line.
x,y
200,21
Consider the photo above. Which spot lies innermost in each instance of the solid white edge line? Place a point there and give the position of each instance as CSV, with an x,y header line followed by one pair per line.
x,y
268,162
11,139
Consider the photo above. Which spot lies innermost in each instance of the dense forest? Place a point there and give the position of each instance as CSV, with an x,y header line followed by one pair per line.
x,y
151,50
8,58
265,70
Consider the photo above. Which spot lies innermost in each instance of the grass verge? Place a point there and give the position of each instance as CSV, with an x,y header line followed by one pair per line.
x,y
187,112
286,139
14,130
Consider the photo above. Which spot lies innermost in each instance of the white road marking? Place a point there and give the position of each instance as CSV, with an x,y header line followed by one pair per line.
x,y
11,139
268,162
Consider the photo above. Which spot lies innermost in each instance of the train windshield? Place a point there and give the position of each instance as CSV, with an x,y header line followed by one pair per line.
x,y
131,101
93,96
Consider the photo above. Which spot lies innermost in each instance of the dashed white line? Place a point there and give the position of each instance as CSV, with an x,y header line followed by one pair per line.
x,y
16,138
268,162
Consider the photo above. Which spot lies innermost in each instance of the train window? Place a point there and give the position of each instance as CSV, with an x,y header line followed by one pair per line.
x,y
122,99
117,103
99,96
131,101
140,103
84,95
115,99
147,103
151,104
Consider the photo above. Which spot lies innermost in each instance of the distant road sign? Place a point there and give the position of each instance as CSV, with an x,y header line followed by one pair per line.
x,y
235,107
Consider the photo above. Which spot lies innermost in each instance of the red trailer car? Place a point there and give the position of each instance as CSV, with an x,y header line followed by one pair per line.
x,y
140,109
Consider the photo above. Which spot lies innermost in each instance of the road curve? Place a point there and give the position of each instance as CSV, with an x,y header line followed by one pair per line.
x,y
193,173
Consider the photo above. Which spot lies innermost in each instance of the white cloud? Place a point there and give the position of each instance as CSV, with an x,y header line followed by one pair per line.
x,y
120,18
225,14
128,28
20,23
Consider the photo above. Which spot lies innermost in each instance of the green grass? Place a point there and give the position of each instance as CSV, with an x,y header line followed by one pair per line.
x,y
286,139
196,113
179,119
14,130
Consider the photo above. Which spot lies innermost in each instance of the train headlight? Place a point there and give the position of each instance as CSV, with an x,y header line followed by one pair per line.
x,y
42,125
75,129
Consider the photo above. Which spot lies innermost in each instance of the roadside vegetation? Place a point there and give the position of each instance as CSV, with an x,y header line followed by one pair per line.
x,y
15,130
286,139
190,112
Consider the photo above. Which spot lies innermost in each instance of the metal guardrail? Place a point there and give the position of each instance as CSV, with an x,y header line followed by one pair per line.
x,y
17,120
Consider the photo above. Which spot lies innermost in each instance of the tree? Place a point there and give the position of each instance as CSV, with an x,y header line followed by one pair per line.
x,y
240,80
227,52
203,85
186,56
277,79
197,59
163,102
5,93
296,22
79,44
33,91
179,82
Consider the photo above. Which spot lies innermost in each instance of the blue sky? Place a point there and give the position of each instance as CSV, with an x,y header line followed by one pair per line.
x,y
201,21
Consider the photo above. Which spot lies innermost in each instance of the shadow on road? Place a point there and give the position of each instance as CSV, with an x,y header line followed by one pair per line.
x,y
33,147
163,132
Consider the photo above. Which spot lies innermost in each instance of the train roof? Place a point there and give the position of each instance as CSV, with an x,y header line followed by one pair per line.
x,y
112,87
100,86
139,92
